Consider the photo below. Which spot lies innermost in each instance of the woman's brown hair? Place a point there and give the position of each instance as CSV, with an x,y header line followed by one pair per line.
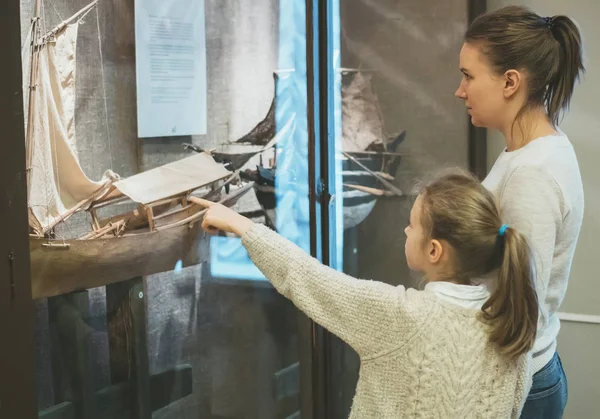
x,y
549,49
459,210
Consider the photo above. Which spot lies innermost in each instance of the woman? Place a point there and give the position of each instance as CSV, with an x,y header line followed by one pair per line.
x,y
519,71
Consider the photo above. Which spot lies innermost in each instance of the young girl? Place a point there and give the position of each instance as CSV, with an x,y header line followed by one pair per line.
x,y
453,350
519,71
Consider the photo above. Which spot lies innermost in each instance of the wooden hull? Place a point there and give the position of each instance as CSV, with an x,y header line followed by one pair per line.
x,y
357,207
97,262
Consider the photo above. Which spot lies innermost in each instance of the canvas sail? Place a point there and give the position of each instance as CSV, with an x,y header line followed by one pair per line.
x,y
56,180
362,124
172,179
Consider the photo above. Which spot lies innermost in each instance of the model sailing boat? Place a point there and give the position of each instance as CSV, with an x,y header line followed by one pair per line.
x,y
369,157
161,232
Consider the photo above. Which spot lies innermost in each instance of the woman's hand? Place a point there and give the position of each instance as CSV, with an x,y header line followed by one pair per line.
x,y
219,217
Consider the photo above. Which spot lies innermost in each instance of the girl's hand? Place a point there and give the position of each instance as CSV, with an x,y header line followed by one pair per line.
x,y
219,217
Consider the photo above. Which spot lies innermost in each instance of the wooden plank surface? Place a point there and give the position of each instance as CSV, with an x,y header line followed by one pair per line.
x,y
92,263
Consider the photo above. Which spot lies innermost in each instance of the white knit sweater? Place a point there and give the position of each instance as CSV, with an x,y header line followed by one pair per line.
x,y
421,356
540,193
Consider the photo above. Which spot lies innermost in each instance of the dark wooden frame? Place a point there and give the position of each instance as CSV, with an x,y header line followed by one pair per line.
x,y
17,356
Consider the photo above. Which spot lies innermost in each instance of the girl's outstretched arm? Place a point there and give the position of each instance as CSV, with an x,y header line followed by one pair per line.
x,y
365,314
368,315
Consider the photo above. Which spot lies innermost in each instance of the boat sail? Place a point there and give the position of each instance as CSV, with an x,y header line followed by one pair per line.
x,y
161,232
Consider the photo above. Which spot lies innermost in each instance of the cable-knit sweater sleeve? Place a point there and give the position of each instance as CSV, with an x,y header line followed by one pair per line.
x,y
368,315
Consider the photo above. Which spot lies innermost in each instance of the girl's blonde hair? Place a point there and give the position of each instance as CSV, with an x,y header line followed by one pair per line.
x,y
459,210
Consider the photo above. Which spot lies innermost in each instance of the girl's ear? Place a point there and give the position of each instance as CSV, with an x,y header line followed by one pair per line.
x,y
435,251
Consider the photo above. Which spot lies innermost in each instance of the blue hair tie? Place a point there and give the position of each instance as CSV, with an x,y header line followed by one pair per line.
x,y
503,230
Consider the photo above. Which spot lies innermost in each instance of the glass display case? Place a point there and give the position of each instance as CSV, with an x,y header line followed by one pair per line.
x,y
316,119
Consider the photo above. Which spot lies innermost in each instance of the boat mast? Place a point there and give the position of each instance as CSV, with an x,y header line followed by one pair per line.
x,y
33,70
32,81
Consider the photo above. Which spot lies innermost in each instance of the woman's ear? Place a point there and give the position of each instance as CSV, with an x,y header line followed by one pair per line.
x,y
512,82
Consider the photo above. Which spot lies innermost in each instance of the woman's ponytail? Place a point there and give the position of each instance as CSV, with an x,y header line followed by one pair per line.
x,y
570,66
512,309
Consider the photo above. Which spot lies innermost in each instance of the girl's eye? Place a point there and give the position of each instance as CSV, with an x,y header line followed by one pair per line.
x,y
467,77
